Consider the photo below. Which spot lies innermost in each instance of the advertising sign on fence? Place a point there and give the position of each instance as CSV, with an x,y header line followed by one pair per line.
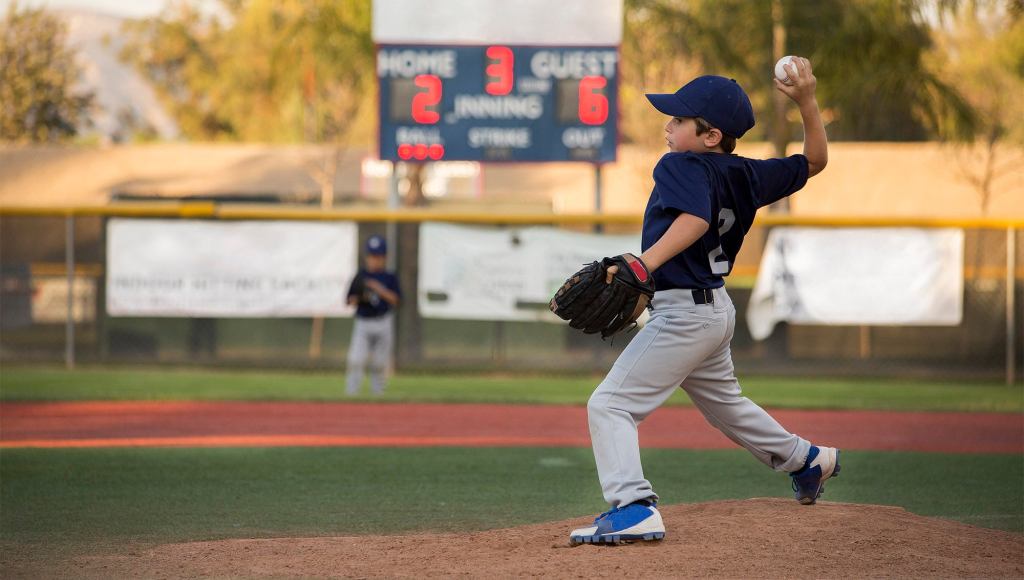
x,y
199,268
858,276
50,299
478,273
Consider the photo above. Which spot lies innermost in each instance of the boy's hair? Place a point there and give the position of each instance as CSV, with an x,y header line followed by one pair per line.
x,y
728,142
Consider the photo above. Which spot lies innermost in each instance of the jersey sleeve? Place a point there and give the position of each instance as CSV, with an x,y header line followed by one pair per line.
x,y
779,178
394,286
683,186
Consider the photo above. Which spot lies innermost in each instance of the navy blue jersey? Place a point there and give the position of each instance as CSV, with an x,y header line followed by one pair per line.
x,y
370,304
724,190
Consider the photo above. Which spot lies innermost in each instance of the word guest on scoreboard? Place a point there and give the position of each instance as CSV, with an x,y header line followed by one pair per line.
x,y
498,103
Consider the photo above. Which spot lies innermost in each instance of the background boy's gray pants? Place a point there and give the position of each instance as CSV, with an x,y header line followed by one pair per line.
x,y
370,350
682,345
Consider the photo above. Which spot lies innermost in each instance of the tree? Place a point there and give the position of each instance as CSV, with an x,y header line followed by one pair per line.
x,y
274,71
179,52
868,55
981,51
38,99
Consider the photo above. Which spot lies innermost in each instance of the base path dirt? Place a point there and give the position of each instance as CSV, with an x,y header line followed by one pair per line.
x,y
215,424
758,538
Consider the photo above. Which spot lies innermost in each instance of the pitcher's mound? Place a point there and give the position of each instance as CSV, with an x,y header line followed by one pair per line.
x,y
747,538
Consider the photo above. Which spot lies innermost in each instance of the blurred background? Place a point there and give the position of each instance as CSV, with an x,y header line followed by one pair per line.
x,y
108,108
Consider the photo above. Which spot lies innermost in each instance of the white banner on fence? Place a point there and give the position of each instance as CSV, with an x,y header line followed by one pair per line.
x,y
858,276
50,299
480,273
229,269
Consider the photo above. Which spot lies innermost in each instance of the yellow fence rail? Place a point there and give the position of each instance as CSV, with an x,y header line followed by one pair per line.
x,y
407,215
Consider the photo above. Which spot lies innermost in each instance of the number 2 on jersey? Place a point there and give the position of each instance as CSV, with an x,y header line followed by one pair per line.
x,y
726,219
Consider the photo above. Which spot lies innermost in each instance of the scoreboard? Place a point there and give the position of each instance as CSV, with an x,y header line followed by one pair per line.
x,y
498,103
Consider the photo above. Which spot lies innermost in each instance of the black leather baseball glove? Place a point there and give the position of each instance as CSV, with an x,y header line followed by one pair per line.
x,y
605,296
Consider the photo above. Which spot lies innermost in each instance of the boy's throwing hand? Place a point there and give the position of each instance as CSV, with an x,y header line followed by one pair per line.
x,y
804,83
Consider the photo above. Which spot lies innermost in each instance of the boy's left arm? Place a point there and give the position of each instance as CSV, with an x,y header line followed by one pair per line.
x,y
684,231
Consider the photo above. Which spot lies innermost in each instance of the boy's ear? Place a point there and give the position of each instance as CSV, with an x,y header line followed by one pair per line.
x,y
712,138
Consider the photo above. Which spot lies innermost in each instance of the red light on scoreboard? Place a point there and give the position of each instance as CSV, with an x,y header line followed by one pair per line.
x,y
420,151
501,70
593,106
429,98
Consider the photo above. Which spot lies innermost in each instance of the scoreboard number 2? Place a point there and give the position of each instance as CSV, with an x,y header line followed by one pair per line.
x,y
423,99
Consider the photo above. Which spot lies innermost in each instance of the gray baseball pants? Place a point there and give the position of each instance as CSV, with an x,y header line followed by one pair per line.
x,y
372,339
683,345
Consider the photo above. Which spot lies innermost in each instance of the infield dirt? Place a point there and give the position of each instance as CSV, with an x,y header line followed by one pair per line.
x,y
745,538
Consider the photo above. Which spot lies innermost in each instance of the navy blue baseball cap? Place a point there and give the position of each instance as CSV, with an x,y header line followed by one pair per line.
x,y
717,100
376,245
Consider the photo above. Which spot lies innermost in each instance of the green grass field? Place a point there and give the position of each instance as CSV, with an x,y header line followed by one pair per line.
x,y
158,495
42,384
66,501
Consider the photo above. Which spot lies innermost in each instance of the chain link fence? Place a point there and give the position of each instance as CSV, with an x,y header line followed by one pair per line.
x,y
36,258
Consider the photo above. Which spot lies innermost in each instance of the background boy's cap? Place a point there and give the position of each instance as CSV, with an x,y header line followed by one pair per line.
x,y
718,100
376,245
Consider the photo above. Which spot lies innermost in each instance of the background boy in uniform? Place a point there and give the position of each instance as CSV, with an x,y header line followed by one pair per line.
x,y
375,293
703,203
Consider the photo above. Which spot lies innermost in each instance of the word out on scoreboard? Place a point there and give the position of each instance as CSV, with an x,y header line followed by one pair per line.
x,y
498,103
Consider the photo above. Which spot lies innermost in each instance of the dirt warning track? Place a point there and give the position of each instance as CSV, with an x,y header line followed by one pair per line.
x,y
277,424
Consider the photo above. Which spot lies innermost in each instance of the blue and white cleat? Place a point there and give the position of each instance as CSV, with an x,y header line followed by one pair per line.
x,y
809,482
639,520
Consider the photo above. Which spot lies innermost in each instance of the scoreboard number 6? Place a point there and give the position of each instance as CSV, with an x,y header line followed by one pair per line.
x,y
593,104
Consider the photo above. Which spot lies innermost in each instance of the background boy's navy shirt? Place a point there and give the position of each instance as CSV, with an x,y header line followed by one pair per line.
x,y
724,190
375,306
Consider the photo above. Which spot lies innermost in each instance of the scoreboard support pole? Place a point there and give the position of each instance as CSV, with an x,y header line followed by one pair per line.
x,y
598,227
69,267
391,233
1011,311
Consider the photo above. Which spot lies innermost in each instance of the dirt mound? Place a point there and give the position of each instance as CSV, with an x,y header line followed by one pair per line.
x,y
747,538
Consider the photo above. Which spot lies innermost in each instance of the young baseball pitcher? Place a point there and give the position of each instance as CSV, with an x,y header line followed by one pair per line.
x,y
703,203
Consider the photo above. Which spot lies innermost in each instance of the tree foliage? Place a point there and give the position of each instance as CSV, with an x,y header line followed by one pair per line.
x,y
39,102
981,51
265,70
868,57
303,70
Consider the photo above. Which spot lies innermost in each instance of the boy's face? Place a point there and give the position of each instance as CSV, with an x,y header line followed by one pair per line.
x,y
375,262
681,136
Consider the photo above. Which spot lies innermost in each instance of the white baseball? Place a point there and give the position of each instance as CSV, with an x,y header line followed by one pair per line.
x,y
780,71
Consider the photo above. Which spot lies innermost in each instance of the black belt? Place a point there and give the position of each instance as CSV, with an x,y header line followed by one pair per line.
x,y
703,296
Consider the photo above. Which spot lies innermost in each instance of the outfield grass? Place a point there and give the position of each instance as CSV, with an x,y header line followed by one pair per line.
x,y
105,496
47,384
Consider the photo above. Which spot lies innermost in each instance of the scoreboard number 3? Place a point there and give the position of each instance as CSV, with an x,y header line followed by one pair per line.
x,y
500,71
